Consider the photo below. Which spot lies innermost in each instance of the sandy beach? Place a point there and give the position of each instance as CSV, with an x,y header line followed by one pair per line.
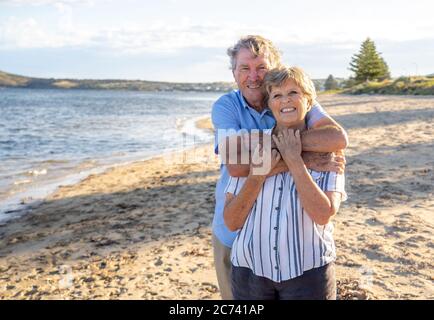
x,y
142,231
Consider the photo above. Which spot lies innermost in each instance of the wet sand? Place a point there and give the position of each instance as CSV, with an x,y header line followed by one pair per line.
x,y
142,231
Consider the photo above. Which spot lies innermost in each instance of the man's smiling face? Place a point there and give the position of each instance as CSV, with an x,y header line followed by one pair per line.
x,y
249,75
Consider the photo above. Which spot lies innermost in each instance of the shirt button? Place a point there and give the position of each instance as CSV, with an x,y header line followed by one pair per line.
x,y
275,228
274,248
276,267
277,208
280,189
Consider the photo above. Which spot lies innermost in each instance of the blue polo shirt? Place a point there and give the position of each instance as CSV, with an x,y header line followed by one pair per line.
x,y
231,111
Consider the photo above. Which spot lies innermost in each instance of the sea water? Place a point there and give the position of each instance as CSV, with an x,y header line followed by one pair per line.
x,y
55,137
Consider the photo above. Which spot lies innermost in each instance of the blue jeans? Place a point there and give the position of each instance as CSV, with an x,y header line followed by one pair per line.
x,y
314,284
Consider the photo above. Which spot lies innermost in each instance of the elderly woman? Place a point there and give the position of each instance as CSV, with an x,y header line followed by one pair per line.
x,y
284,248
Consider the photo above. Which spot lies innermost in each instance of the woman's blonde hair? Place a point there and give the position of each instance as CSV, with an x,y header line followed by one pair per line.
x,y
258,46
277,76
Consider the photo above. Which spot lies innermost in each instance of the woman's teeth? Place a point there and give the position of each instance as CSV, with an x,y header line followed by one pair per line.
x,y
286,110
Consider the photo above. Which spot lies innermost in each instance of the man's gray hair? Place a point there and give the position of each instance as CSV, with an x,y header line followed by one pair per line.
x,y
258,46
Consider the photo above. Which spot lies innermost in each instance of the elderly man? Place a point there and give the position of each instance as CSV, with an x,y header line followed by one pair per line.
x,y
244,109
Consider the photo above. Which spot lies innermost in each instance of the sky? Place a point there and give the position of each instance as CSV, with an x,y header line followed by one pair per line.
x,y
186,40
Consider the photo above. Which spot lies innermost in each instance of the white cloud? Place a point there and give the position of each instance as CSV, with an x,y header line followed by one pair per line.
x,y
166,34
55,3
28,33
158,36
129,38
177,35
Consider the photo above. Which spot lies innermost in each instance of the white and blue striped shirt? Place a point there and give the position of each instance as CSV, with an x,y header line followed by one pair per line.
x,y
279,240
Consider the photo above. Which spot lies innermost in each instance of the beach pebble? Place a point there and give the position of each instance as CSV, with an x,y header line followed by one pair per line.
x,y
87,279
159,262
209,287
15,240
38,270
31,292
192,226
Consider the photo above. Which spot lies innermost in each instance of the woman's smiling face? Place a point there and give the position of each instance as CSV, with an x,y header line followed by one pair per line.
x,y
288,104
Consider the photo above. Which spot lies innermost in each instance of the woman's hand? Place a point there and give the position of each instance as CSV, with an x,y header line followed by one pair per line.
x,y
289,144
262,164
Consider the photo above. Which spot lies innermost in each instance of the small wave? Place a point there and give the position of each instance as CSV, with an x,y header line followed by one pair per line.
x,y
19,182
179,123
190,127
7,142
54,161
210,99
37,172
119,153
87,164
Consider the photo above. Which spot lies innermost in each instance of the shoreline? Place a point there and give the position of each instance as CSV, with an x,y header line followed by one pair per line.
x,y
22,203
142,231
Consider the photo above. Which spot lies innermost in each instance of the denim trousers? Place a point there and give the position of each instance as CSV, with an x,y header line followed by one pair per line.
x,y
315,284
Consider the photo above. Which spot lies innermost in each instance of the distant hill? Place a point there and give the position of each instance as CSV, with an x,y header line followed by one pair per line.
x,y
16,81
402,85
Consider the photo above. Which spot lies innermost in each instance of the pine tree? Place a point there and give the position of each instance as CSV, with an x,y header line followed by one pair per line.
x,y
330,83
368,64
